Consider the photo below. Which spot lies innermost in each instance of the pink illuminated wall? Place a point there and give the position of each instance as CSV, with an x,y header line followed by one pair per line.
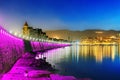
x,y
12,47
37,46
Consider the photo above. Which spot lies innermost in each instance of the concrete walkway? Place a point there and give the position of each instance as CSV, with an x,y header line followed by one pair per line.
x,y
22,70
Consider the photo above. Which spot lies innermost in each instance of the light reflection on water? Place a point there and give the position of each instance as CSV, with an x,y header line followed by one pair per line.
x,y
96,62
99,52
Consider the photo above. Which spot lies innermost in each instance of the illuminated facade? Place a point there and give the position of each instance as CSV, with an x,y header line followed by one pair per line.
x,y
37,33
31,32
26,29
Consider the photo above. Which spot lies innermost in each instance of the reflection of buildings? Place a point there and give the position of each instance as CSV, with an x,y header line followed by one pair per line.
x,y
100,52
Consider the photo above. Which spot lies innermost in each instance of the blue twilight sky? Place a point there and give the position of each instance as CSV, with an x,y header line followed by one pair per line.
x,y
60,14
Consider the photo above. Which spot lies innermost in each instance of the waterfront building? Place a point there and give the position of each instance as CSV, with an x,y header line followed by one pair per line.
x,y
38,34
31,32
26,29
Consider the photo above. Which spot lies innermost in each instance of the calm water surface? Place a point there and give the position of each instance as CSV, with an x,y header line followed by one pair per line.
x,y
95,62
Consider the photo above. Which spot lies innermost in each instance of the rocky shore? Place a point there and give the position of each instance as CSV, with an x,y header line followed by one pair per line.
x,y
29,68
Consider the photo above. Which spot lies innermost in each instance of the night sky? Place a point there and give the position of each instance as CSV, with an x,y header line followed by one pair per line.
x,y
60,14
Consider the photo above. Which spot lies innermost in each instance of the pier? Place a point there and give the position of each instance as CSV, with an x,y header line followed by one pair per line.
x,y
12,47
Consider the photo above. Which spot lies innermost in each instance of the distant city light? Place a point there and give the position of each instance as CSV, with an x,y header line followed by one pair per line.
x,y
99,32
56,37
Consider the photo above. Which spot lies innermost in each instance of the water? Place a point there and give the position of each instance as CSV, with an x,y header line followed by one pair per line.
x,y
95,62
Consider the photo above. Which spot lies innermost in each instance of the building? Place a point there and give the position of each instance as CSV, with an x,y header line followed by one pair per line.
x,y
38,34
31,32
26,29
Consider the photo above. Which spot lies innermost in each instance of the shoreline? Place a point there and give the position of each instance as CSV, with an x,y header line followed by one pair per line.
x,y
22,70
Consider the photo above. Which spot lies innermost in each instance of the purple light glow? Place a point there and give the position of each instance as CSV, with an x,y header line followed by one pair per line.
x,y
12,47
37,46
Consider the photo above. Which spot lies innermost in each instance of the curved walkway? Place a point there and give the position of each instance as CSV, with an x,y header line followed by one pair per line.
x,y
23,71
